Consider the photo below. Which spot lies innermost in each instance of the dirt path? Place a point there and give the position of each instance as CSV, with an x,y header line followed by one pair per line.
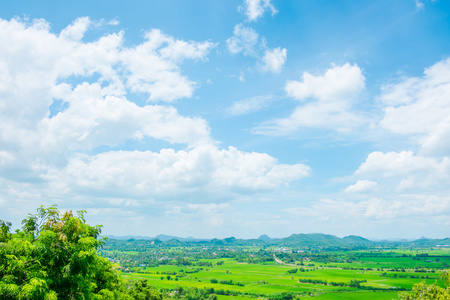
x,y
281,262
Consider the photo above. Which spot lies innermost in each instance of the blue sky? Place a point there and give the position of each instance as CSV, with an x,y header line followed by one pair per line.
x,y
229,118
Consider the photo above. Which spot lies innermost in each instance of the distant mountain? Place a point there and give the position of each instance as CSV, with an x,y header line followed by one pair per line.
x,y
217,242
354,239
431,242
393,240
302,239
265,238
160,237
230,240
174,242
129,237
312,239
166,238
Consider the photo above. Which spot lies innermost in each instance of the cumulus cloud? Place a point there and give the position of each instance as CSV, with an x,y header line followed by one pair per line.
x,y
70,126
245,40
411,183
92,120
65,104
76,30
96,111
437,142
274,59
361,186
254,9
405,170
339,83
395,163
326,101
203,170
419,106
153,66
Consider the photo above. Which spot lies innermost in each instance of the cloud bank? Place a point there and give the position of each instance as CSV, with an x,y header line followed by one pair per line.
x,y
70,123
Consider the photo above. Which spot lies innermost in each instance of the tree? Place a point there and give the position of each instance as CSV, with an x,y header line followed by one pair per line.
x,y
429,292
141,291
54,256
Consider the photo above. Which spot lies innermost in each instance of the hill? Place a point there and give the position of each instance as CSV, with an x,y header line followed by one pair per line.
x,y
301,239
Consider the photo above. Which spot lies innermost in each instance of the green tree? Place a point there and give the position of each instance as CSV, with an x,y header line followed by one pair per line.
x,y
54,256
423,291
140,290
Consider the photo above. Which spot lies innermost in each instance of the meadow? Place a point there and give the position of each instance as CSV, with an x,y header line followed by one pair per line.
x,y
361,274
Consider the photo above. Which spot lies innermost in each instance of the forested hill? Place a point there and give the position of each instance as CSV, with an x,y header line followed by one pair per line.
x,y
299,240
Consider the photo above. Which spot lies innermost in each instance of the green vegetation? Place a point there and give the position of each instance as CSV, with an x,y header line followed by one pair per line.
x,y
54,256
433,291
240,270
58,256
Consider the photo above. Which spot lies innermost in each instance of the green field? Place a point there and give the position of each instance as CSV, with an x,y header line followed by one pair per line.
x,y
197,271
272,279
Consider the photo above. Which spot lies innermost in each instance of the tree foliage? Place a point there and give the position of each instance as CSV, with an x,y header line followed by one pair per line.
x,y
422,291
141,291
54,256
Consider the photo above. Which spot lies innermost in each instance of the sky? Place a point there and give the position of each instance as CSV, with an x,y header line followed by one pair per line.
x,y
214,119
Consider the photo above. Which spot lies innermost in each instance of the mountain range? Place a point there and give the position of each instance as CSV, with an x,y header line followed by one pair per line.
x,y
310,239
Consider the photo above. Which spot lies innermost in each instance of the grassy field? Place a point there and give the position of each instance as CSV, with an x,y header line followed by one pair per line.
x,y
271,278
244,272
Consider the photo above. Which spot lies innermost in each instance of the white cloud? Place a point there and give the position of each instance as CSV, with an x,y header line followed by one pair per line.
x,y
327,209
437,143
395,163
213,212
250,105
203,170
241,77
429,208
361,186
96,111
153,66
150,67
76,30
406,171
274,59
328,102
379,209
254,9
418,109
92,120
339,83
419,5
113,22
417,206
245,40
419,106
53,147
